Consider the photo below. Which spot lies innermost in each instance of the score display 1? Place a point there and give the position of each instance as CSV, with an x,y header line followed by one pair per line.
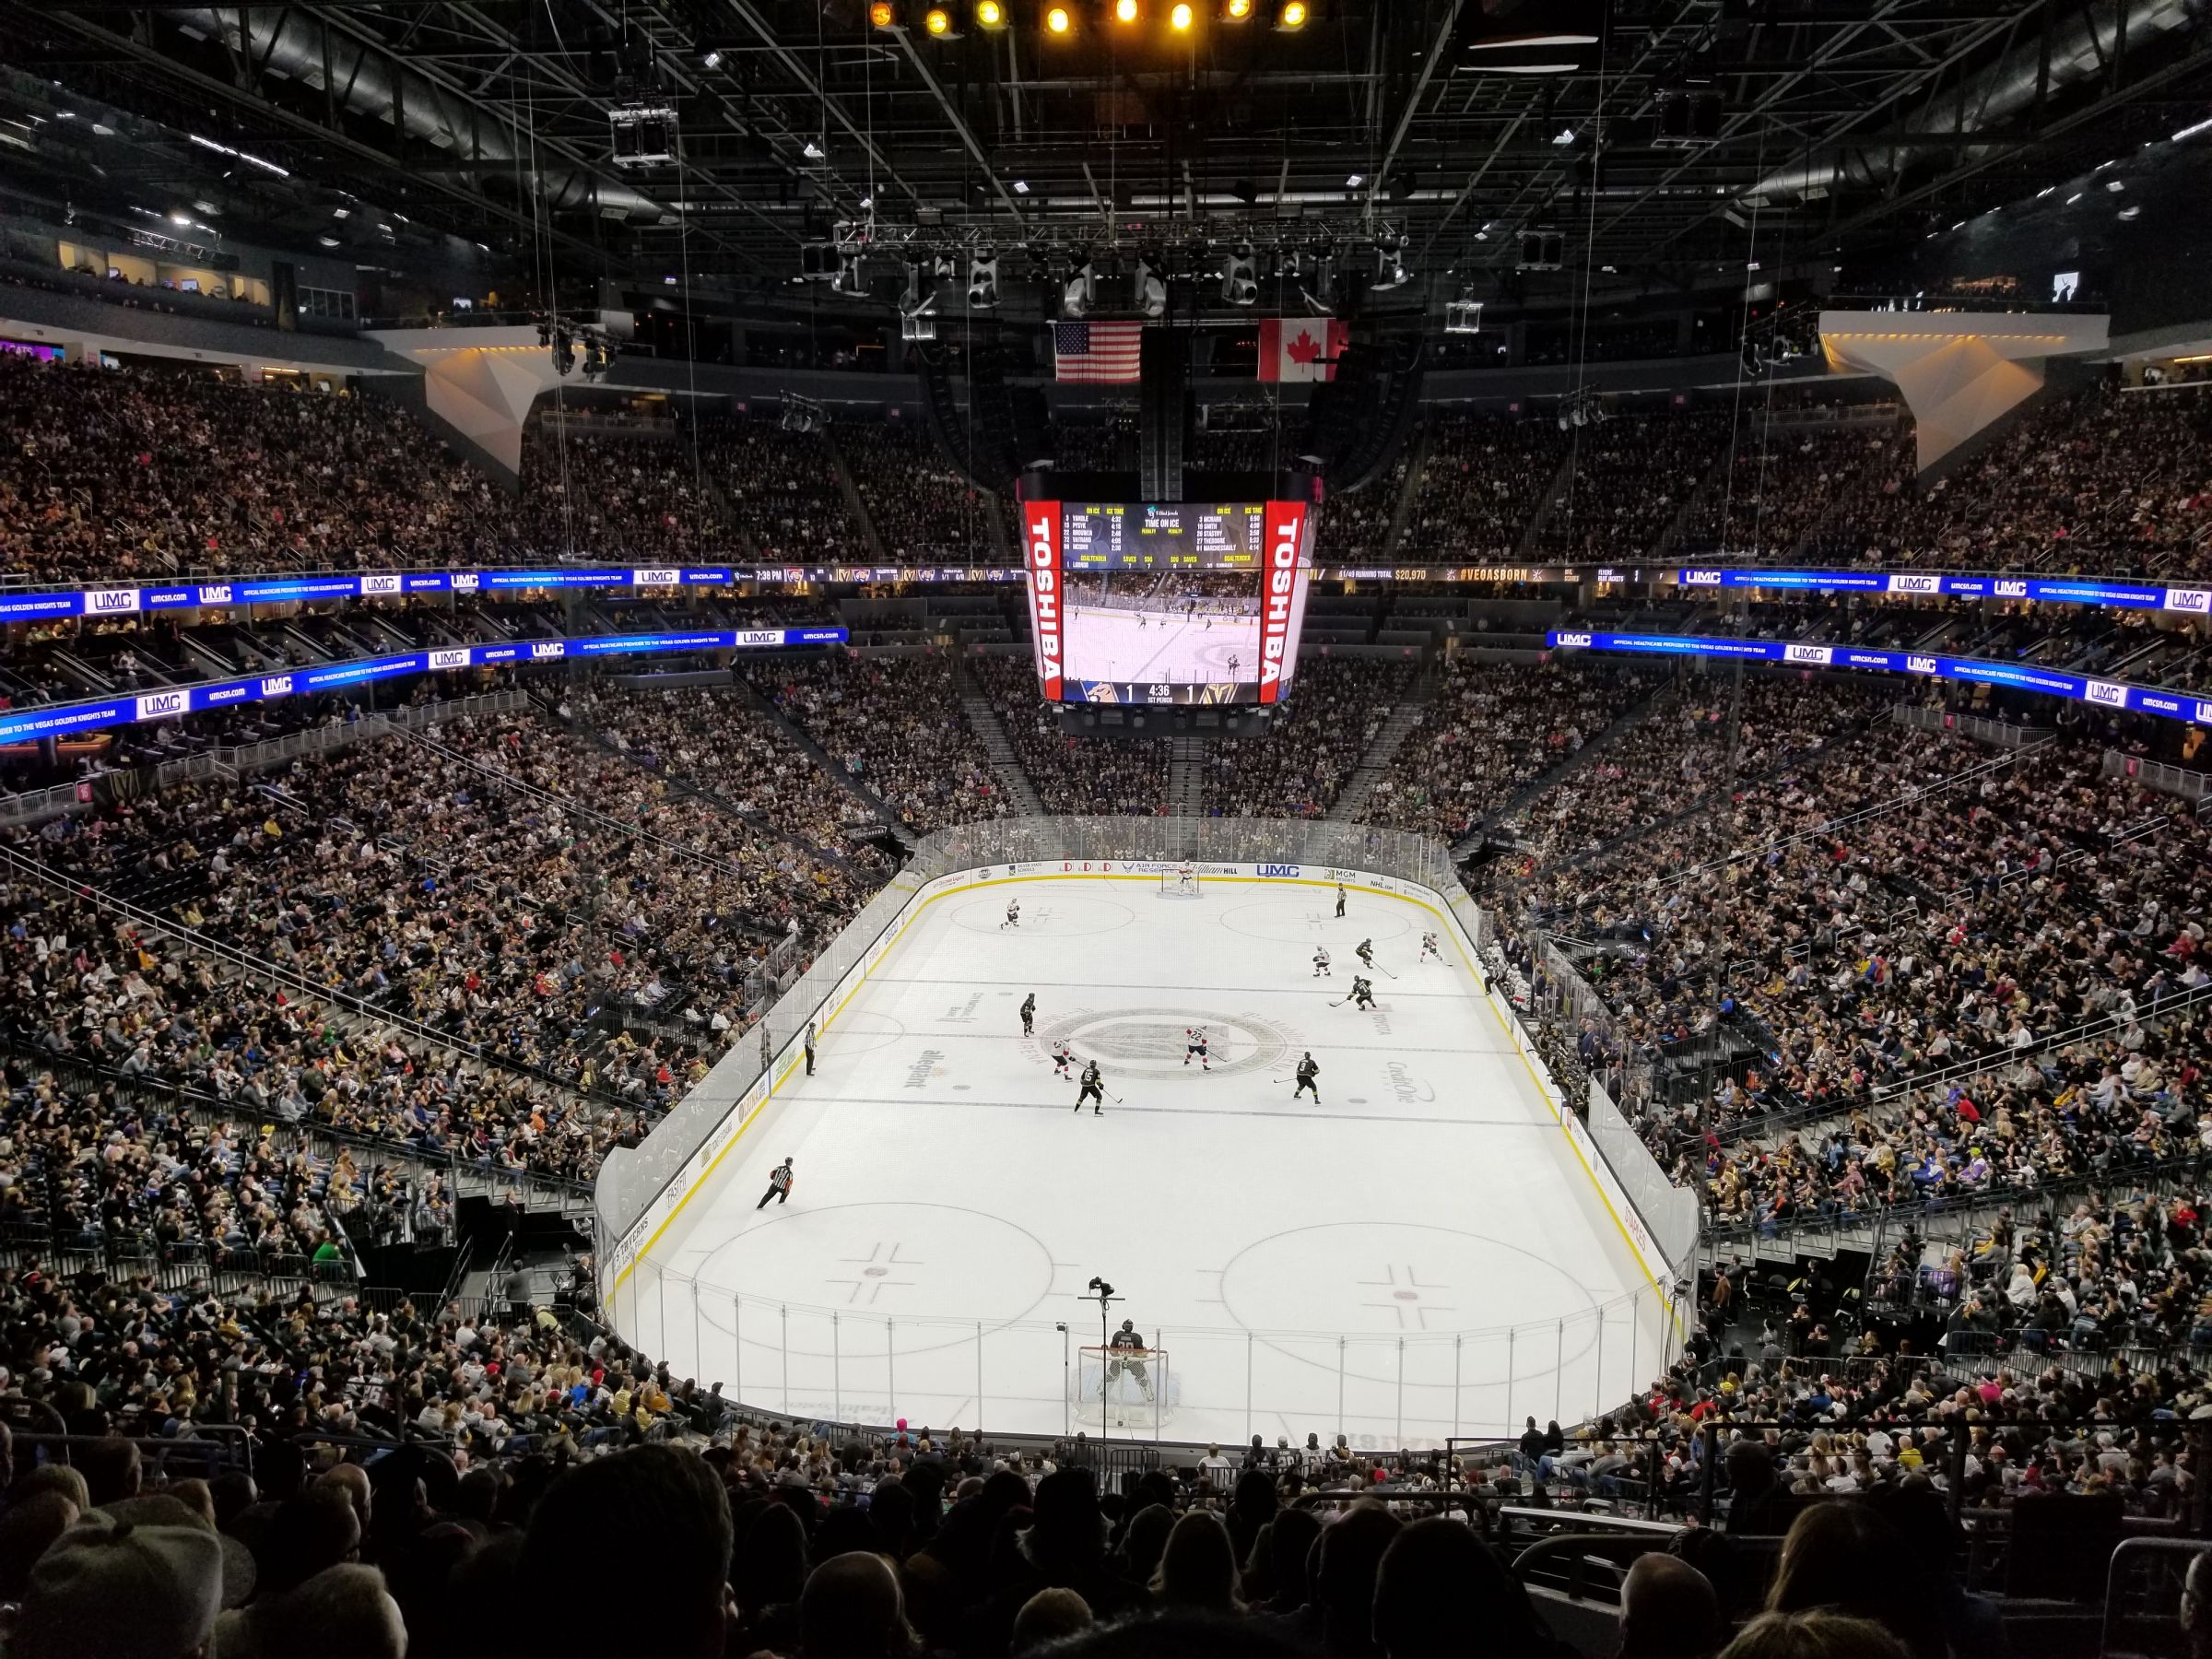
x,y
1167,602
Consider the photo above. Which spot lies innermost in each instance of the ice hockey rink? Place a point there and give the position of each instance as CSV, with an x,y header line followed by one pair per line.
x,y
1422,1255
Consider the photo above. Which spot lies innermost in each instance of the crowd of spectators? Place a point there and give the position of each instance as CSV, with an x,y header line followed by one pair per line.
x,y
1072,774
923,510
1491,729
781,488
590,493
1487,476
116,472
1627,479
1779,480
895,724
1338,705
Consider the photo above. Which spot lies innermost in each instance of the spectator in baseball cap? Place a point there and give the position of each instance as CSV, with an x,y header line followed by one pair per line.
x,y
112,1590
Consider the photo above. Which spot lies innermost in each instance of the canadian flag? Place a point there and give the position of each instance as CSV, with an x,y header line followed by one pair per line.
x,y
1300,348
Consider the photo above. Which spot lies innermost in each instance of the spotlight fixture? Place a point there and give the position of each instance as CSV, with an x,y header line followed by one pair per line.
x,y
1390,263
1059,20
982,280
711,61
1080,289
1180,17
1292,15
1239,275
1126,11
990,14
1236,11
938,22
883,14
1151,285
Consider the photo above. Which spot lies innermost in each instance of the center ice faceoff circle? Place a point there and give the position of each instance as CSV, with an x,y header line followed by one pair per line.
x,y
1151,1041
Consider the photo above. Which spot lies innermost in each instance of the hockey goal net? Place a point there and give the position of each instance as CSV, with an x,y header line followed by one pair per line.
x,y
1179,883
1125,1388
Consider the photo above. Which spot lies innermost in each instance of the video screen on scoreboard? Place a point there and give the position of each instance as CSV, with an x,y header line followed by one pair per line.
x,y
1178,603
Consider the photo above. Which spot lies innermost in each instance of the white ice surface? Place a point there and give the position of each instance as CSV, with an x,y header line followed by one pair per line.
x,y
1127,645
1352,1267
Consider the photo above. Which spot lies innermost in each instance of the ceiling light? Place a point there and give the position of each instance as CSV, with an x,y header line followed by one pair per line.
x,y
206,207
180,219
938,21
2115,185
990,14
66,114
1354,181
1059,20
813,151
1566,136
103,129
1292,15
2074,198
883,14
2191,132
328,242
2045,190
1124,11
713,60
1236,11
2129,212
1179,18
1021,187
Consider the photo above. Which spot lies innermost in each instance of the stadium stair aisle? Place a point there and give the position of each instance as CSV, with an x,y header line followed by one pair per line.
x,y
983,720
1352,799
874,804
853,504
1186,777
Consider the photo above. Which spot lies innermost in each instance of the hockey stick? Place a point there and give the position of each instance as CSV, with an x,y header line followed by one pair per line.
x,y
1386,972
1340,1002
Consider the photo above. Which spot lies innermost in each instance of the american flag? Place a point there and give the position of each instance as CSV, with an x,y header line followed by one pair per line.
x,y
1096,351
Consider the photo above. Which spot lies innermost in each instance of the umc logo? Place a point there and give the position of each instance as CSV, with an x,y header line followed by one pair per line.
x,y
1700,579
380,584
1920,664
155,705
1821,655
2105,692
1915,584
654,577
456,658
2005,589
2189,599
218,594
1573,639
464,582
108,601
1291,870
540,650
276,685
761,636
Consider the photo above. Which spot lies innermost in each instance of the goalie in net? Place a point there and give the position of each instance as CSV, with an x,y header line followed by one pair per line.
x,y
1182,882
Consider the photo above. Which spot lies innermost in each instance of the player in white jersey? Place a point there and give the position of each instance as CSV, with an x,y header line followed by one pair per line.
x,y
1193,1042
1013,914
1428,947
1063,1057
1321,962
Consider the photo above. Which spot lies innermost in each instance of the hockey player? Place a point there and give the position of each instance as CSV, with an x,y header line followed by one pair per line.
x,y
1340,901
1013,914
1307,1072
1193,1042
1128,1348
1363,993
1028,1016
1063,1057
779,1186
1365,951
1093,1091
1428,947
1321,962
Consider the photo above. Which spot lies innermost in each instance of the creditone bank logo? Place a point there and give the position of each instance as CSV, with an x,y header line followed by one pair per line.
x,y
1818,656
543,649
109,602
1920,664
159,705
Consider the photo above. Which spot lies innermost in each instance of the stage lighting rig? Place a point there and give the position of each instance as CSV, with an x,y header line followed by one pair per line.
x,y
1080,292
1462,316
1059,21
643,134
1151,285
1390,262
1317,276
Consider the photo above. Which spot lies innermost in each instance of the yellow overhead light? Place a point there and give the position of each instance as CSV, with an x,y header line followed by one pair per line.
x,y
883,14
1059,20
1292,15
990,14
1179,20
1125,11
938,21
1236,11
